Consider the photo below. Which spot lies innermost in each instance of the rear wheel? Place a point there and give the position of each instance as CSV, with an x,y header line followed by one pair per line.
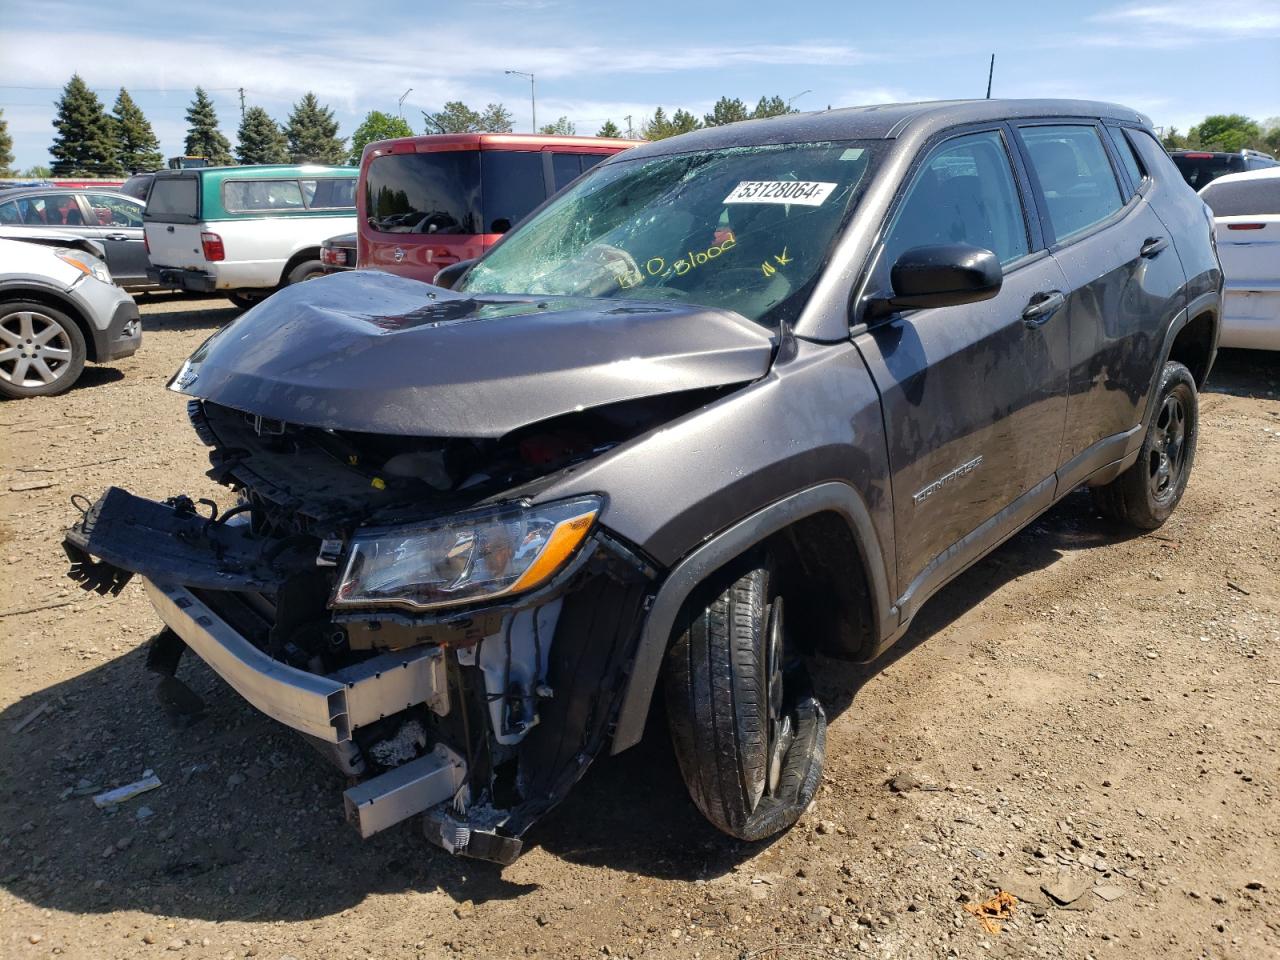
x,y
749,735
307,270
244,299
42,350
1146,494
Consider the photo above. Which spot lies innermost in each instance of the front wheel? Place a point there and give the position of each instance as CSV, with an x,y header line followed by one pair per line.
x,y
1146,494
42,350
748,733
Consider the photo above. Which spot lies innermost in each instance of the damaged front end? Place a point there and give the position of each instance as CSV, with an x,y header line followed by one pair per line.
x,y
401,599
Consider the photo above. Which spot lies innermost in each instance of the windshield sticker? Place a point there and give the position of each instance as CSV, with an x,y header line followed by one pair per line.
x,y
853,153
806,193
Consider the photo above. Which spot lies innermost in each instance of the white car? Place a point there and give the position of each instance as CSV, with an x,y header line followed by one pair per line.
x,y
245,231
59,308
1246,213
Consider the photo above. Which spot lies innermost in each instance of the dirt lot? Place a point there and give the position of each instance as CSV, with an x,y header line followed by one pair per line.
x,y
1083,708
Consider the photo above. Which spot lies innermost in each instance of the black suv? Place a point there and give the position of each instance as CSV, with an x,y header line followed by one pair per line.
x,y
1200,168
728,401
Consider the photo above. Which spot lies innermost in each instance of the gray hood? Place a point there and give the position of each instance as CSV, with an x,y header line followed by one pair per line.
x,y
377,353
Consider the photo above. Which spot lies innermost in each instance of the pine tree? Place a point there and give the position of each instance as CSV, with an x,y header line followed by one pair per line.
x,y
204,139
495,119
139,148
657,127
561,128
6,147
682,121
376,126
86,141
610,129
312,133
726,111
773,106
260,139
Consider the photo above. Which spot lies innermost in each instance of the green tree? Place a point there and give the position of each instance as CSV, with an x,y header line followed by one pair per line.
x,y
37,172
1271,135
456,117
376,126
660,126
561,128
682,121
6,147
204,139
726,111
495,119
260,139
139,148
1230,132
771,107
1173,140
610,129
312,132
86,140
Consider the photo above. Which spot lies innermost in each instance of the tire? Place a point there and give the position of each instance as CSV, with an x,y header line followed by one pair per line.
x,y
307,270
42,350
247,300
748,734
1146,494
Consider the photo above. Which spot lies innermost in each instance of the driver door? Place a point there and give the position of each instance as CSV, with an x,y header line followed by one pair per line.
x,y
974,395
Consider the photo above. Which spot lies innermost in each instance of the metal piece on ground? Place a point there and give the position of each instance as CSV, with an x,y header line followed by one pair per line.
x,y
127,792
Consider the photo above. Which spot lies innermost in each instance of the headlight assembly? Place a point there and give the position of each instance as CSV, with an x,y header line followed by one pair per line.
x,y
94,268
464,558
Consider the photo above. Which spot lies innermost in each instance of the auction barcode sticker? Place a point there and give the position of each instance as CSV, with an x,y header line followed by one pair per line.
x,y
807,193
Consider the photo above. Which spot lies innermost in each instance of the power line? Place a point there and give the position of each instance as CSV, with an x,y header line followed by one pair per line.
x,y
135,89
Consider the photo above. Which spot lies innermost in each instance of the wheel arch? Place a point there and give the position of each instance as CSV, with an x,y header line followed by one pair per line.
x,y
51,298
300,256
832,512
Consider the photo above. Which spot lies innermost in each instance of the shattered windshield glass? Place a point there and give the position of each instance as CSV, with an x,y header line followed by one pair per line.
x,y
745,229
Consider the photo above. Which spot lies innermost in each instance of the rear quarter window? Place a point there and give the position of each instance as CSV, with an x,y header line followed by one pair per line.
x,y
424,192
511,184
1243,198
253,196
173,197
336,193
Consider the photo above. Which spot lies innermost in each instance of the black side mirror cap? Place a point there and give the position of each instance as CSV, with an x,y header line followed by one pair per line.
x,y
448,276
939,275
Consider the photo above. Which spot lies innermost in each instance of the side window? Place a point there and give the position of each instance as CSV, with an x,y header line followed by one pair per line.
x,y
589,160
247,196
1128,158
9,212
1075,175
565,168
964,193
330,192
511,185
109,211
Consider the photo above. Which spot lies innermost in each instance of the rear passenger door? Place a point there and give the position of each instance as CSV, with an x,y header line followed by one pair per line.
x,y
974,395
1124,281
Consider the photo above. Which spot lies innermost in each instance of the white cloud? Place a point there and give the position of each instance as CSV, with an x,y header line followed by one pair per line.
x,y
1176,25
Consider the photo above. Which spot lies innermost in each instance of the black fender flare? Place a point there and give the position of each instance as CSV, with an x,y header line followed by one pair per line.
x,y
710,556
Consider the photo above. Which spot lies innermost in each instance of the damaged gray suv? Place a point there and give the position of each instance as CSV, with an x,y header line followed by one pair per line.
x,y
728,402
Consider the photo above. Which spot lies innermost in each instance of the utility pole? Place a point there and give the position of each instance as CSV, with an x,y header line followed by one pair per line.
x,y
242,104
533,94
631,134
990,73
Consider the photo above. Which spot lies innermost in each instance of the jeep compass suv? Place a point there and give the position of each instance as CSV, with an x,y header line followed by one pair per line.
x,y
736,398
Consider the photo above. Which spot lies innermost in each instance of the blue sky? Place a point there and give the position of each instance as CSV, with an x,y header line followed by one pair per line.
x,y
594,61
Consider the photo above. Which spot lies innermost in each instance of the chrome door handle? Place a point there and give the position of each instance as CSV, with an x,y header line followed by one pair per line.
x,y
1152,245
117,236
1042,307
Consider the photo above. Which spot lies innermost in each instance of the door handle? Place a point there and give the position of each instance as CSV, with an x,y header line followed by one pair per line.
x,y
1042,306
1152,245
117,236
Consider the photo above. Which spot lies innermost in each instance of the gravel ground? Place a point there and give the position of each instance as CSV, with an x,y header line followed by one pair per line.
x,y
1085,710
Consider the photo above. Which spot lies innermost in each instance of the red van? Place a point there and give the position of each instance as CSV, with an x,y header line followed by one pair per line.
x,y
426,202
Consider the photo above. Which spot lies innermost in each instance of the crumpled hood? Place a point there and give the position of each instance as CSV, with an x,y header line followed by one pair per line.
x,y
377,353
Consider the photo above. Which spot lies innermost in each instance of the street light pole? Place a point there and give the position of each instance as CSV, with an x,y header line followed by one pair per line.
x,y
400,102
797,97
533,94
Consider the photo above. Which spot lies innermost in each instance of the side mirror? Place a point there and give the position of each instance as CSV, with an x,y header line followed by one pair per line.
x,y
939,275
447,276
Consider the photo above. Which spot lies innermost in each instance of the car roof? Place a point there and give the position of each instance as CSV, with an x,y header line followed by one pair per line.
x,y
1265,173
500,141
265,170
883,122
17,193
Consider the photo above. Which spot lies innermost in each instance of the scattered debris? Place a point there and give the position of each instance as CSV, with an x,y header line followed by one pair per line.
x,y
1067,888
31,717
904,782
30,485
127,792
990,912
1237,588
43,606
1109,892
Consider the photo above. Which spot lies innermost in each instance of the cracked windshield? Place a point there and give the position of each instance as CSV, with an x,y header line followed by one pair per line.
x,y
743,229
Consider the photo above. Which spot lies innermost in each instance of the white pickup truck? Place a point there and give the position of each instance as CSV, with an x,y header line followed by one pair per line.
x,y
245,231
